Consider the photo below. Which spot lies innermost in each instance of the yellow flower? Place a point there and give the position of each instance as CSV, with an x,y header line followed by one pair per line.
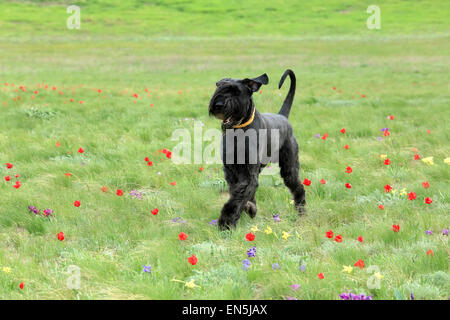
x,y
428,160
254,228
378,275
383,156
393,191
291,202
447,160
347,269
285,235
191,284
403,192
268,230
6,270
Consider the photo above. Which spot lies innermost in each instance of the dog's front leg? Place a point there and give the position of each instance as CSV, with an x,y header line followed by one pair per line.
x,y
240,192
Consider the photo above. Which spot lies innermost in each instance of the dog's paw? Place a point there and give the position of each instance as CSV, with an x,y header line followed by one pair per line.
x,y
301,209
225,224
251,209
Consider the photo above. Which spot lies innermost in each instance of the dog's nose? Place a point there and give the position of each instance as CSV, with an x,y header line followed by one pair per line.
x,y
219,103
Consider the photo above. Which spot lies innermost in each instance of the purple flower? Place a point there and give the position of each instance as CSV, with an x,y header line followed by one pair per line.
x,y
147,269
251,252
295,286
34,209
429,232
275,266
246,264
276,218
213,222
291,298
317,135
384,129
445,232
136,194
379,138
303,267
412,296
352,296
48,213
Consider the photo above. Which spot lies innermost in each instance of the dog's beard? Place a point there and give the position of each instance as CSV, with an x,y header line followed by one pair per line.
x,y
233,111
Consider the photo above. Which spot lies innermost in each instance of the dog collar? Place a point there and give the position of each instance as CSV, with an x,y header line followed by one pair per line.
x,y
247,122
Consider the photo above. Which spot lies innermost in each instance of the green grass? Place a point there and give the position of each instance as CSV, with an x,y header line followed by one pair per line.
x,y
178,50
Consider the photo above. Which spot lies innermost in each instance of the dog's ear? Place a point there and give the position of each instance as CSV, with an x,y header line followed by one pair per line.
x,y
255,83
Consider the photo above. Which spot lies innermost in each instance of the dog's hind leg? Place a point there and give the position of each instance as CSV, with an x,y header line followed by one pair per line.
x,y
289,170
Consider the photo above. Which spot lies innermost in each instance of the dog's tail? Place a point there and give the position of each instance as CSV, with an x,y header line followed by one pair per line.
x,y
286,108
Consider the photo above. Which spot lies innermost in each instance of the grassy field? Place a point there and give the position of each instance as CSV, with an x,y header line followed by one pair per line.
x,y
137,71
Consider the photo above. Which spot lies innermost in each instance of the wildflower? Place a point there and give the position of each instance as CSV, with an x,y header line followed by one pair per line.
x,y
348,170
275,266
155,211
447,160
193,260
246,264
250,236
383,156
343,130
381,207
7,178
268,230
276,218
33,209
348,185
9,165
104,189
6,270
47,212
173,183
396,228
445,232
81,150
295,286
213,222
387,161
321,276
307,182
425,184
430,252
251,252
329,234
360,239
254,228
77,203
338,238
191,284
429,232
347,269
412,296
285,235
302,268
119,192
378,275
387,188
323,181
21,285
60,236
325,136
182,236
147,269
403,192
351,296
346,147
428,160
428,200
416,157
360,264
412,196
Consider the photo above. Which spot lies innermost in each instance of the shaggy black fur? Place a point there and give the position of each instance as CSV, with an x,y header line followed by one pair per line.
x,y
232,102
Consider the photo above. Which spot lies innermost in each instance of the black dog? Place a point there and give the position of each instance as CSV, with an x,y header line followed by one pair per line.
x,y
232,103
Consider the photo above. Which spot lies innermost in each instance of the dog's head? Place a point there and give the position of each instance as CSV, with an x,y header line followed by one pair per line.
x,y
232,101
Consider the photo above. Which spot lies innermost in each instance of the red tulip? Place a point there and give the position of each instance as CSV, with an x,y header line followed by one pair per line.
x,y
193,260
329,234
307,182
428,200
250,236
155,211
182,236
77,203
60,236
